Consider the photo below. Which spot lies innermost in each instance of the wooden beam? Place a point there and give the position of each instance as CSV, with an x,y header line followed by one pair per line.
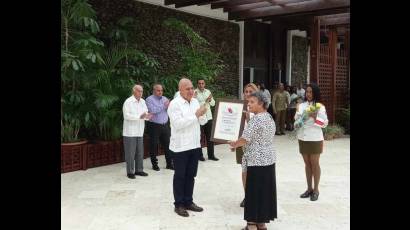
x,y
179,4
344,15
230,3
314,50
335,21
310,13
261,5
288,10
249,6
169,2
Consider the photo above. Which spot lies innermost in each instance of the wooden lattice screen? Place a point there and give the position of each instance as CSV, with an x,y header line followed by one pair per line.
x,y
342,73
325,80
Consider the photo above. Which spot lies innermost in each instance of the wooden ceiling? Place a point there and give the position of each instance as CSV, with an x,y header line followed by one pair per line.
x,y
268,10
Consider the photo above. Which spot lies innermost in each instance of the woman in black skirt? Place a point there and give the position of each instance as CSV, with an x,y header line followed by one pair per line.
x,y
310,137
259,162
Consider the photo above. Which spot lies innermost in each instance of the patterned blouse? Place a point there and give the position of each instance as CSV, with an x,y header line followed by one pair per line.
x,y
259,134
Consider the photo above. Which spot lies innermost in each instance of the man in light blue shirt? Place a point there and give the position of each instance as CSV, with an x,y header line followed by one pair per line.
x,y
158,126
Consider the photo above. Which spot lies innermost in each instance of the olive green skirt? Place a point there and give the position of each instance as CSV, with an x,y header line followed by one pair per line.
x,y
310,147
239,155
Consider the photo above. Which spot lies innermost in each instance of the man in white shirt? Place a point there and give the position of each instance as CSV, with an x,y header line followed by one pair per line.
x,y
186,116
135,112
204,97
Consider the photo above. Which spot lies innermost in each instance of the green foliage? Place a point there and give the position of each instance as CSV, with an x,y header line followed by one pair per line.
x,y
333,131
80,54
343,118
96,76
197,61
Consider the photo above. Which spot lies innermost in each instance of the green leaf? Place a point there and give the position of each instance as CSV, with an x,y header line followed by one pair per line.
x,y
75,65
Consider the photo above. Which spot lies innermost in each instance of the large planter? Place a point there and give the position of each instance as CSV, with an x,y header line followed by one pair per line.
x,y
101,153
73,156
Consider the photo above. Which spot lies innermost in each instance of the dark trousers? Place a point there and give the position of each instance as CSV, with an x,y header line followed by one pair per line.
x,y
280,121
207,129
185,169
159,133
290,118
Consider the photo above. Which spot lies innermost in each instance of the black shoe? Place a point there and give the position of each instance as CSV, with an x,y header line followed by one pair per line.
x,y
155,167
194,207
201,158
131,176
306,194
314,196
282,133
213,158
141,174
170,166
242,203
181,211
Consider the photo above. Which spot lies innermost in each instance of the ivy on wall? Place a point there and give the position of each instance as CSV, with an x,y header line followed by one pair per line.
x,y
299,59
160,42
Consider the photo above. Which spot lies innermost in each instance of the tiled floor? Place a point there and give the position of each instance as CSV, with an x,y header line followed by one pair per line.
x,y
104,198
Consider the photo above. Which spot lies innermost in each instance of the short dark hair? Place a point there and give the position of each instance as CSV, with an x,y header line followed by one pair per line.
x,y
315,92
199,79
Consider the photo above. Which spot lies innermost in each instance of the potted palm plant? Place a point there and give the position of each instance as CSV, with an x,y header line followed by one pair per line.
x,y
123,65
79,51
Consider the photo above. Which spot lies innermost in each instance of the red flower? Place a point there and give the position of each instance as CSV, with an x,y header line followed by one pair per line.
x,y
230,110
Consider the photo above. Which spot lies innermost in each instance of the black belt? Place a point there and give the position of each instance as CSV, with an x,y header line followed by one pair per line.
x,y
158,123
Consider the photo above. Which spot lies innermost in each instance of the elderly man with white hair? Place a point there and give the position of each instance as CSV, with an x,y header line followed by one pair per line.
x,y
186,116
135,113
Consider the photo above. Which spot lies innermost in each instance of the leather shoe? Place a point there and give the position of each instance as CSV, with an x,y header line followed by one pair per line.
x,y
141,174
213,158
170,166
201,158
131,176
155,167
314,196
194,207
242,203
306,194
181,211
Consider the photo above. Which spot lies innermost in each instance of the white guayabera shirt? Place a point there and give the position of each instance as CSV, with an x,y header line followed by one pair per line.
x,y
185,126
132,110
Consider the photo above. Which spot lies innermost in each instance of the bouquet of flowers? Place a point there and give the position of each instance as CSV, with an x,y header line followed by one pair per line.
x,y
312,109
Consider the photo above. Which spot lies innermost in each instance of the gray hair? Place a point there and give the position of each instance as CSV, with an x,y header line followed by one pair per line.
x,y
261,98
137,86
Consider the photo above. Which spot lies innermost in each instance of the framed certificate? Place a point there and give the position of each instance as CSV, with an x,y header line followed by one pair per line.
x,y
229,120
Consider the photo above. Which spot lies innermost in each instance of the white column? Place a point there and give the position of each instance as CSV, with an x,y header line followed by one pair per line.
x,y
289,57
241,48
251,74
308,66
